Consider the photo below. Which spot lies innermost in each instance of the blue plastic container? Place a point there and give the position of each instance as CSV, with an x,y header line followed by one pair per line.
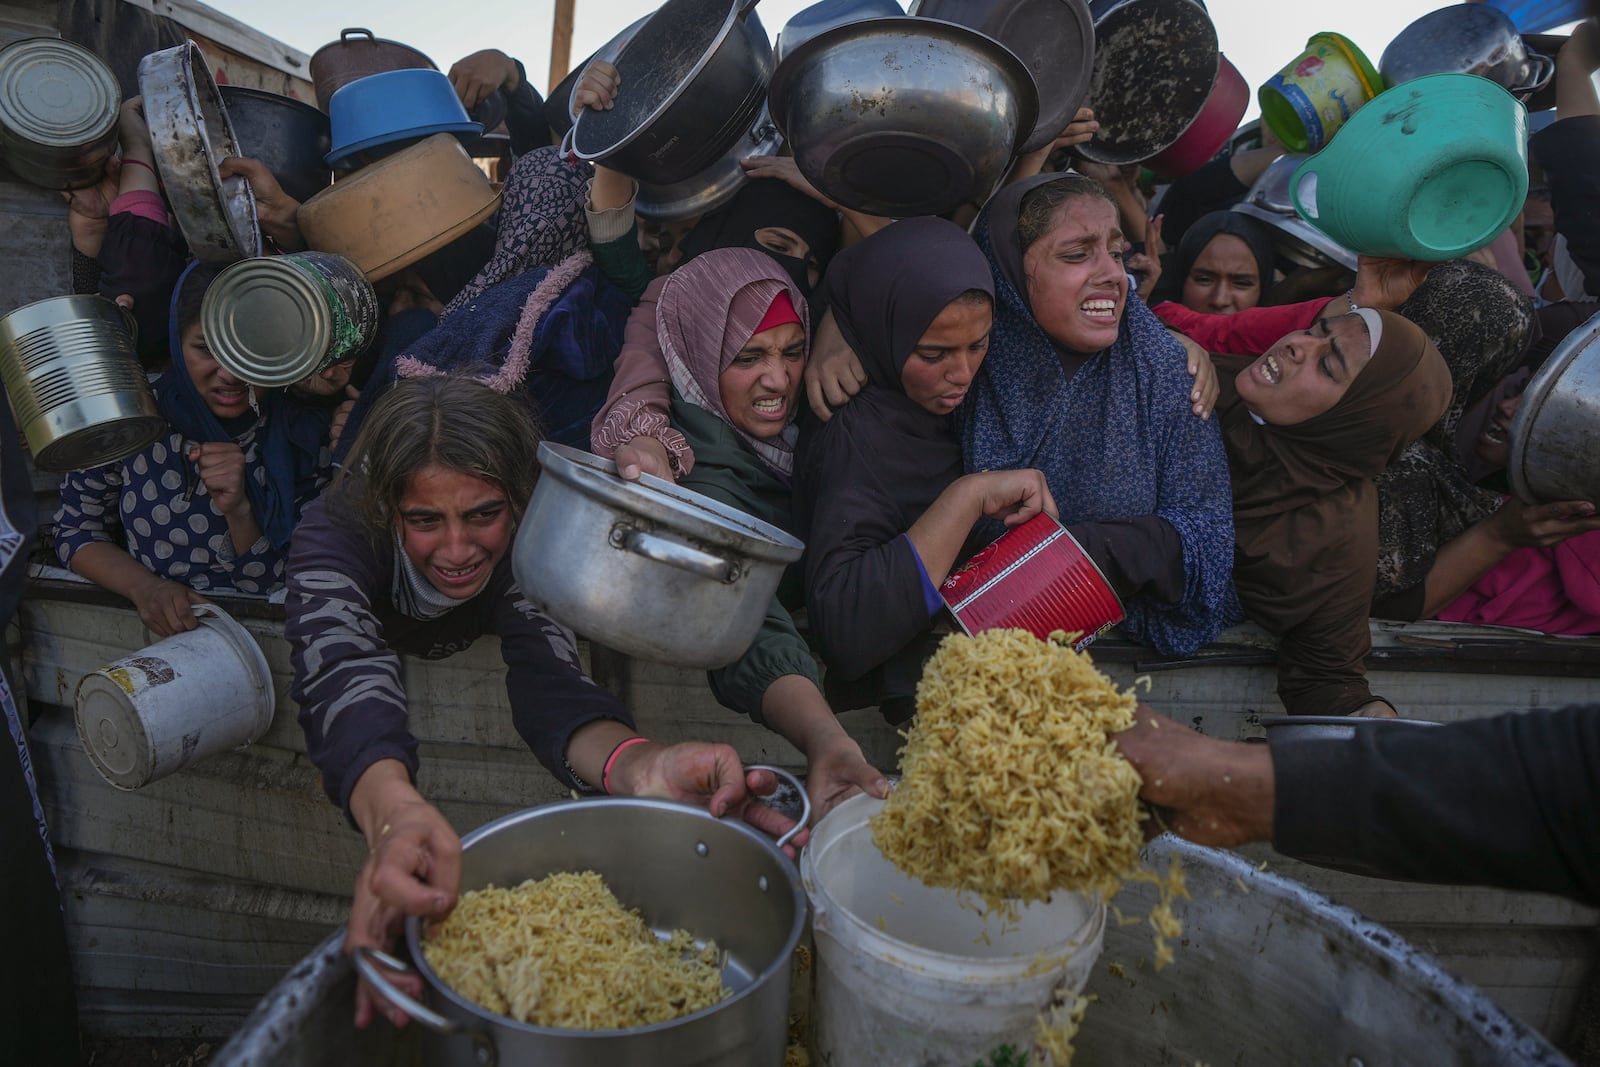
x,y
1536,16
397,105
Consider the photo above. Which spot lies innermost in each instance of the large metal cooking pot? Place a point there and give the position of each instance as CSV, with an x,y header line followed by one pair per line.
x,y
1466,39
693,78
1296,239
903,116
1555,435
190,134
826,14
356,54
288,136
1331,727
1144,106
75,382
58,112
681,869
647,568
1270,973
1053,38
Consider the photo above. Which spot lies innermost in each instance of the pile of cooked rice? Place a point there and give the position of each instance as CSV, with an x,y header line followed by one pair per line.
x,y
1012,786
562,952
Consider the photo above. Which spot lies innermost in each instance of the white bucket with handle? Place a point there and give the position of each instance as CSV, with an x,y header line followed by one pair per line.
x,y
908,976
184,698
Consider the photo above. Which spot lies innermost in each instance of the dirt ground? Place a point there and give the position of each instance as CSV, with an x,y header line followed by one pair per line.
x,y
147,1052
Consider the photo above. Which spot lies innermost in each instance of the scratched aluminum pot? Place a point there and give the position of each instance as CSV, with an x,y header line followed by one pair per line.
x,y
1144,106
190,135
274,320
1467,39
75,382
58,112
647,567
680,868
1555,434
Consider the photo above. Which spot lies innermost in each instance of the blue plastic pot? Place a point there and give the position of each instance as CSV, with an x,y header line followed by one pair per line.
x,y
397,105
1433,169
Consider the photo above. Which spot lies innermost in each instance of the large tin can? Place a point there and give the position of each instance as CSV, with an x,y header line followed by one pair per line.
x,y
58,112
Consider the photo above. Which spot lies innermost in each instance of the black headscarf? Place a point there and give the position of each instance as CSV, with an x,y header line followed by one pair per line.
x,y
1253,233
764,202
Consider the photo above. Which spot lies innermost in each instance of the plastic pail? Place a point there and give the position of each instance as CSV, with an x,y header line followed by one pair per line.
x,y
1307,101
904,975
186,697
1434,169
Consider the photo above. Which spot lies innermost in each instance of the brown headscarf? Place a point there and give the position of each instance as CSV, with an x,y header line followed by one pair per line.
x,y
1305,513
708,310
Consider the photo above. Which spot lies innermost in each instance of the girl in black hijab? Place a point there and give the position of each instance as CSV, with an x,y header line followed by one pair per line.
x,y
1232,276
879,493
802,234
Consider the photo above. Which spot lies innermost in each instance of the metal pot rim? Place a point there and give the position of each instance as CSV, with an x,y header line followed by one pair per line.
x,y
1300,230
777,965
1540,386
666,503
736,11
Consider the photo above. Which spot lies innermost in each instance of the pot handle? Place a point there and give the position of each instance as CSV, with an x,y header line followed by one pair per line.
x,y
674,554
805,798
747,6
360,31
1540,69
367,959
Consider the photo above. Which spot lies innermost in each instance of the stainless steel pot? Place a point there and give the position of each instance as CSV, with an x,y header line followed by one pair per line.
x,y
1555,435
1330,727
646,567
1466,39
693,78
682,869
190,134
1295,239
58,112
1144,106
75,382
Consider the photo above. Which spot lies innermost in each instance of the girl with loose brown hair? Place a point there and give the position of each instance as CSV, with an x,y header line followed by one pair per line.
x,y
438,478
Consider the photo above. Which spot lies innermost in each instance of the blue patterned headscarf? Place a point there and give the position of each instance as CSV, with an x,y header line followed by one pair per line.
x,y
289,435
1116,441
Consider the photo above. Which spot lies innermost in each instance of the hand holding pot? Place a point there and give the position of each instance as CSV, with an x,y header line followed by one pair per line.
x,y
1383,282
481,73
164,606
711,775
276,210
597,89
1212,792
644,455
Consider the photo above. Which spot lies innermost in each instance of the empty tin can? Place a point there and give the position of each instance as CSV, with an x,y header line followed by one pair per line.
x,y
58,112
75,382
275,320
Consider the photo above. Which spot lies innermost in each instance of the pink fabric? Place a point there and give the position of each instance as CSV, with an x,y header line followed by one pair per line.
x,y
1244,333
1553,590
143,203
779,313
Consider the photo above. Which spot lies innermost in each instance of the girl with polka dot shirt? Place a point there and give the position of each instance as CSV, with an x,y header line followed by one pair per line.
x,y
210,505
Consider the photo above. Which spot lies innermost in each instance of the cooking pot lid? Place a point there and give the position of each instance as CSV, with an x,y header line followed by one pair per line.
x,y
1540,386
56,94
667,503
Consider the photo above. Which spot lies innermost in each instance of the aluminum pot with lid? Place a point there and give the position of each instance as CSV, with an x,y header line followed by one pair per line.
x,y
681,868
1466,39
693,78
647,568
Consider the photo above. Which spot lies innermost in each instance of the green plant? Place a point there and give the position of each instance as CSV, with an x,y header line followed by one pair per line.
x,y
1004,1056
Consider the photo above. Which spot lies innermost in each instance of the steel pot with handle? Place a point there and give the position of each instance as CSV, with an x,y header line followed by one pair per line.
x,y
1467,39
681,868
693,78
646,567
356,54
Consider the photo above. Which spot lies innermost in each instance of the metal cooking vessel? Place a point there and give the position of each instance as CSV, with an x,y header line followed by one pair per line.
x,y
682,869
58,112
1466,39
1330,727
1145,106
1053,38
646,568
826,14
1555,435
190,134
1296,239
693,79
75,382
356,54
288,136
903,116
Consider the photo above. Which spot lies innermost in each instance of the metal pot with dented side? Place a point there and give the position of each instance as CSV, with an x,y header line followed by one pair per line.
x,y
647,568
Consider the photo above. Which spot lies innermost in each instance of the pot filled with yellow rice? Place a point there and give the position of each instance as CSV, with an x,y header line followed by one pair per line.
x,y
622,931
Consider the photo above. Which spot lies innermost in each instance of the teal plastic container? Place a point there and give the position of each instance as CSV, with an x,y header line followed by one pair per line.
x,y
1432,169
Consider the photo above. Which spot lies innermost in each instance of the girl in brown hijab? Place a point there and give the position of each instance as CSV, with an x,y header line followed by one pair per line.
x,y
1308,426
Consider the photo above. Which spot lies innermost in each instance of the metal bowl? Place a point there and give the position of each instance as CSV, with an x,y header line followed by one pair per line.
x,y
288,136
1144,105
1296,239
1330,727
903,116
1466,39
1555,435
826,14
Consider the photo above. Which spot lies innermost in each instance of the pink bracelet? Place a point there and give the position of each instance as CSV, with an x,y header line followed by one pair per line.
x,y
605,775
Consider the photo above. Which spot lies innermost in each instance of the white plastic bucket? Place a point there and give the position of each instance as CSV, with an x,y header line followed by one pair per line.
x,y
187,696
903,975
